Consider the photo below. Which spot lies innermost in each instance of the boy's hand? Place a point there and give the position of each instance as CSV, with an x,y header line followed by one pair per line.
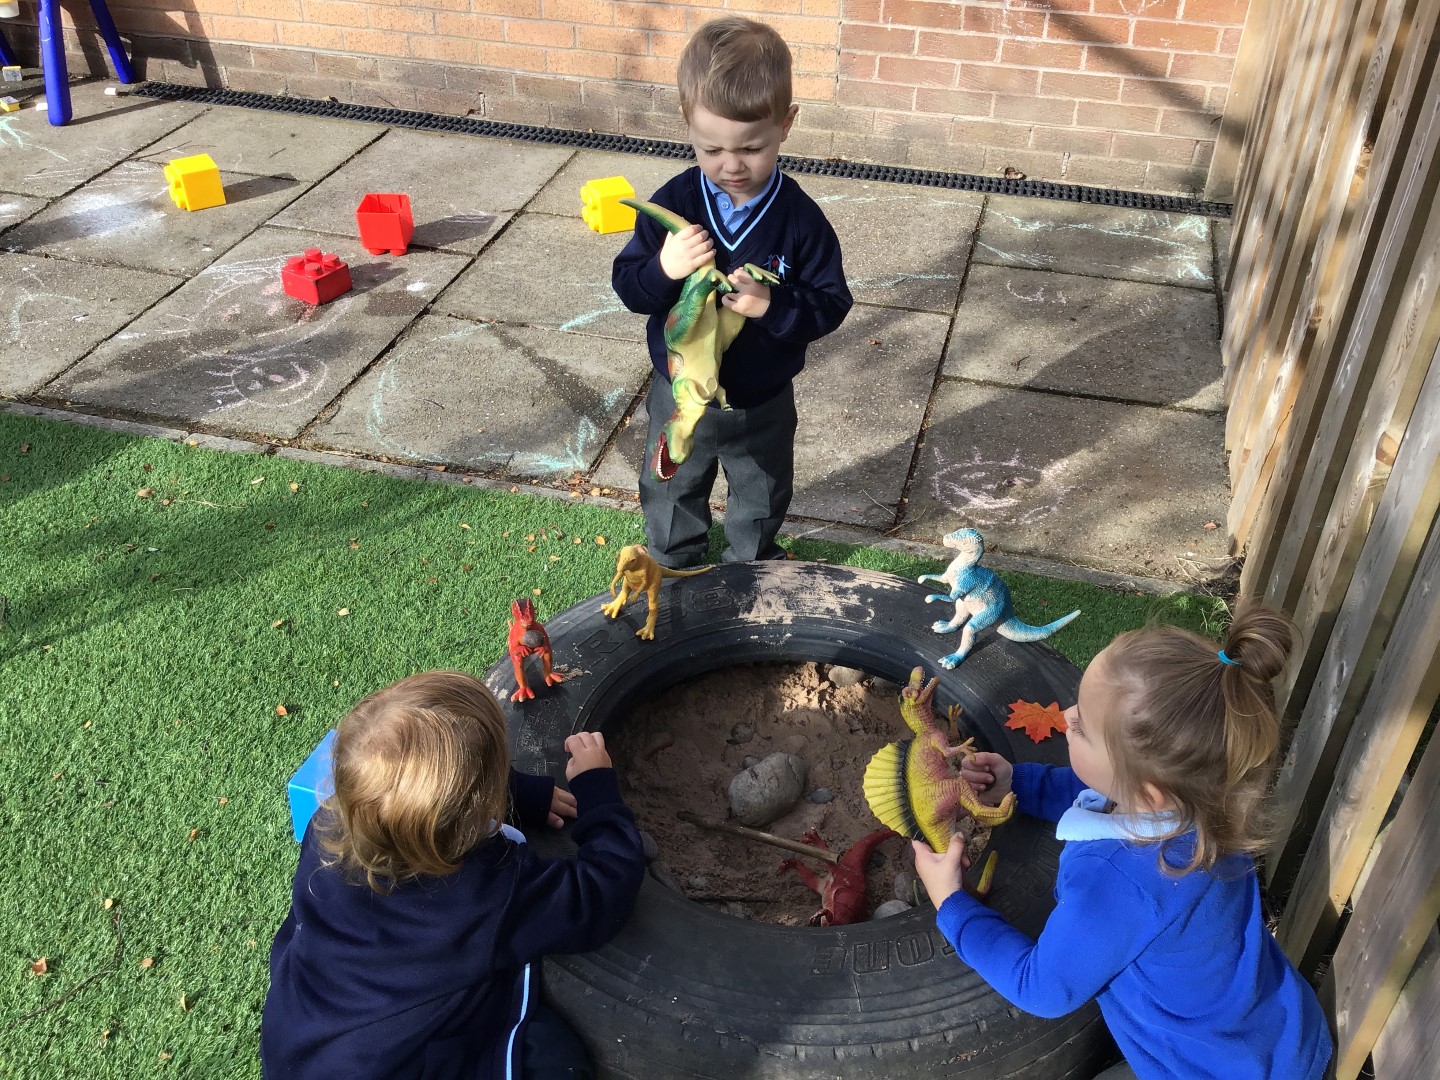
x,y
562,806
751,298
587,751
685,252
989,774
940,874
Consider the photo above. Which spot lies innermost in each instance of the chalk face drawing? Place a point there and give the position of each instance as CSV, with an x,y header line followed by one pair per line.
x,y
273,378
987,491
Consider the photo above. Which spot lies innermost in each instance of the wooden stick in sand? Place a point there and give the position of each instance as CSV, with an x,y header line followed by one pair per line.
x,y
756,834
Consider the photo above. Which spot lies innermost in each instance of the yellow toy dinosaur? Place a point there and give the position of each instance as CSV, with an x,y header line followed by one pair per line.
x,y
641,573
912,787
698,330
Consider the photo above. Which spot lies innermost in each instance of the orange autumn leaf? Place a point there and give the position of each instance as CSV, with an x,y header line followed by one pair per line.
x,y
1036,720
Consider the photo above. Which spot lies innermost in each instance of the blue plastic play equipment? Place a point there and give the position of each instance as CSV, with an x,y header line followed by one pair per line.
x,y
52,56
311,785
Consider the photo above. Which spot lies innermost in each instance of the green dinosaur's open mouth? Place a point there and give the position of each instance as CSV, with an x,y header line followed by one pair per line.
x,y
664,468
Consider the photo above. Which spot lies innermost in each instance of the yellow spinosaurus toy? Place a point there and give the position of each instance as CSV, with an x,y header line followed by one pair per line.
x,y
698,330
912,787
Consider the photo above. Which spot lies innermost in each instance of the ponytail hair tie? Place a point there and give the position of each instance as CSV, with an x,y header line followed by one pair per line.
x,y
1226,660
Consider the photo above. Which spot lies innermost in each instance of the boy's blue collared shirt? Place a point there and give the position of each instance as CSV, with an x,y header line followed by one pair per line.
x,y
736,216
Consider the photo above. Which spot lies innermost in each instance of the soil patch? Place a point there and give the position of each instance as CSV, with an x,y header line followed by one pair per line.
x,y
681,750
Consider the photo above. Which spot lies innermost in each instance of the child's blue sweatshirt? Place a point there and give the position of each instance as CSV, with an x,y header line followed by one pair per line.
x,y
788,235
1189,980
432,981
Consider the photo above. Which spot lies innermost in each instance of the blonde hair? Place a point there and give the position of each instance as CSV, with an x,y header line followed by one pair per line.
x,y
1202,731
422,773
738,69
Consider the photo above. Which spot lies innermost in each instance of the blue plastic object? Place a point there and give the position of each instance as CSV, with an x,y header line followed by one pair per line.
x,y
52,57
311,785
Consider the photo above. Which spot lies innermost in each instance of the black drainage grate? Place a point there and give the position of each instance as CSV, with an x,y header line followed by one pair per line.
x,y
626,144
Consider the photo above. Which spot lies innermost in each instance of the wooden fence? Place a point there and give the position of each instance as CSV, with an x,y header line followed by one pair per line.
x,y
1331,334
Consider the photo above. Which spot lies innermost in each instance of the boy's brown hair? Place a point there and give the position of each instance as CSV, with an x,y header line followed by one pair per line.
x,y
422,772
738,69
1201,730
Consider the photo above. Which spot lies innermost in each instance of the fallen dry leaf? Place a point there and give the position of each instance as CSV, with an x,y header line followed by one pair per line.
x,y
505,533
600,540
164,502
39,967
105,1035
149,961
465,567
194,834
578,540
531,537
438,468
165,1056
1036,720
184,1003
277,624
513,489
535,591
554,558
280,710
1211,525
594,491
294,486
109,902
343,611
464,526
257,480
144,493
147,468
531,547
222,799
86,726
192,442
24,447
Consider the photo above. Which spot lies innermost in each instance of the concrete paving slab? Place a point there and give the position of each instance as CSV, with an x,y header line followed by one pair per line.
x,y
861,400
229,352
1094,336
127,218
903,246
1102,241
55,312
852,447
533,403
551,272
37,159
461,188
266,143
16,208
1119,487
562,194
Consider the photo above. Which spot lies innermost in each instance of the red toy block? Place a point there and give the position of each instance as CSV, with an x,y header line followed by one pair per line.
x,y
386,223
314,277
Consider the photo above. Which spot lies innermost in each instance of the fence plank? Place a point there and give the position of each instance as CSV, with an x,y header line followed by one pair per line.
x,y
1307,280
1396,912
1407,1047
1394,709
1351,265
1250,75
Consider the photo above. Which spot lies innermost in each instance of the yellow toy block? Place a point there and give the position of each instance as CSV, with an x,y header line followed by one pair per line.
x,y
602,210
9,104
195,182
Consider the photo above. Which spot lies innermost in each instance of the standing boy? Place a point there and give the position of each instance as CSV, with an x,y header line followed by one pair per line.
x,y
735,93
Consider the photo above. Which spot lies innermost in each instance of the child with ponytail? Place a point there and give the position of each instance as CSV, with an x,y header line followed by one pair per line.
x,y
1172,748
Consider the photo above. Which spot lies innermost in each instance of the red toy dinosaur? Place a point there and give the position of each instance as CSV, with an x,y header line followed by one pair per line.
x,y
841,888
528,637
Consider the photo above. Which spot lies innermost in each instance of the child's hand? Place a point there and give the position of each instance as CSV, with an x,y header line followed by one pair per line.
x,y
751,298
685,252
587,751
989,774
940,874
562,806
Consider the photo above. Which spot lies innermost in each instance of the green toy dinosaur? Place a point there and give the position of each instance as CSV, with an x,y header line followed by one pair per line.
x,y
697,332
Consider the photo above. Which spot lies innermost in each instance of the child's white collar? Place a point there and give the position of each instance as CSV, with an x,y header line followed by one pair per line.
x,y
1090,818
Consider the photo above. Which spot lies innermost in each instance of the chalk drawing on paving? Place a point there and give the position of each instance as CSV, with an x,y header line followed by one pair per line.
x,y
988,491
1149,227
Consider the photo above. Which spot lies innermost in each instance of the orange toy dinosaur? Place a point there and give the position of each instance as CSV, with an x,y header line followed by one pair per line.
x,y
528,637
842,886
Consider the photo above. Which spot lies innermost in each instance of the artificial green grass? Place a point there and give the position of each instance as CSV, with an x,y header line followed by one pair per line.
x,y
144,762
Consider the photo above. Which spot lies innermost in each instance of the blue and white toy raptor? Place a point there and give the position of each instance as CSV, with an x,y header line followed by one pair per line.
x,y
981,599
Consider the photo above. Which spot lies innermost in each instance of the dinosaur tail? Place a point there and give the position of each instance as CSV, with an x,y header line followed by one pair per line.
x,y
665,571
668,218
1016,630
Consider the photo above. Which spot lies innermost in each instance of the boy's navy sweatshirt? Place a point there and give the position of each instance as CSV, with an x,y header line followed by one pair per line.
x,y
1189,980
432,981
786,234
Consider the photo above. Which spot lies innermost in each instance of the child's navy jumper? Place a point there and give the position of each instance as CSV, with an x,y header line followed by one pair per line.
x,y
434,979
786,234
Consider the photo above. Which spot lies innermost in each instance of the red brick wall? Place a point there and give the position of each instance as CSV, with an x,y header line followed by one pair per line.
x,y
1124,93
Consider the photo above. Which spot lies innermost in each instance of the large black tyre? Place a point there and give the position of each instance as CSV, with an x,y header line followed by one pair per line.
x,y
684,991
